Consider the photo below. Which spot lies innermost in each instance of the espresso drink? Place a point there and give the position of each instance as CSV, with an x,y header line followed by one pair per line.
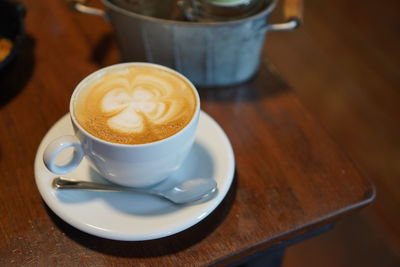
x,y
135,105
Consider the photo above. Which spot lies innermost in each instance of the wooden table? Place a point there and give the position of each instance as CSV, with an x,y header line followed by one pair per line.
x,y
291,178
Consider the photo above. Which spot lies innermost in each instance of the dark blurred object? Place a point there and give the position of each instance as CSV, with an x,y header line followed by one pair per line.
x,y
217,10
163,9
11,29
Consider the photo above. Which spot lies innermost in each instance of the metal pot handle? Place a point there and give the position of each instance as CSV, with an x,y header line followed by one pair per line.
x,y
293,14
81,7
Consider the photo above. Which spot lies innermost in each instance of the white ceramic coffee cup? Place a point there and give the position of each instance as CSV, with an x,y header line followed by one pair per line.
x,y
130,165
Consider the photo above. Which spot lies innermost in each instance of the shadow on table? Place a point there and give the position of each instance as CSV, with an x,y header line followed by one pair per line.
x,y
16,75
105,51
266,83
152,248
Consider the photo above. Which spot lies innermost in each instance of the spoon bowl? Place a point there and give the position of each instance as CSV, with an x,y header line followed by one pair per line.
x,y
188,191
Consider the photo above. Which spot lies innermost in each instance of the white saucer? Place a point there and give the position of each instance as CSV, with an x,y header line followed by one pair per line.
x,y
133,217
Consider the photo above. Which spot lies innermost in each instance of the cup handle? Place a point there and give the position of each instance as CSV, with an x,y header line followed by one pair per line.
x,y
56,147
81,7
293,14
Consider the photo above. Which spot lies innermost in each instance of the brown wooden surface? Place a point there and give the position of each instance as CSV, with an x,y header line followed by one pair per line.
x,y
290,175
344,64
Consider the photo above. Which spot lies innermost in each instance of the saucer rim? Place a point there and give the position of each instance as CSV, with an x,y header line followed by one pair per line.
x,y
56,206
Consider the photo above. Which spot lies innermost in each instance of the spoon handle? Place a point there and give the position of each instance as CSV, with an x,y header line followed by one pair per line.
x,y
67,183
186,192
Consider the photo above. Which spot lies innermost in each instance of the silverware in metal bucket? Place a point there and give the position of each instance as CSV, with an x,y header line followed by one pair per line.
x,y
210,54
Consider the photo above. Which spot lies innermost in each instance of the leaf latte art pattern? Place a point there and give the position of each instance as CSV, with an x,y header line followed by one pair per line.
x,y
135,105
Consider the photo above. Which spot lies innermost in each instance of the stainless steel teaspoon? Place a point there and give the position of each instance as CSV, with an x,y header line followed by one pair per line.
x,y
186,192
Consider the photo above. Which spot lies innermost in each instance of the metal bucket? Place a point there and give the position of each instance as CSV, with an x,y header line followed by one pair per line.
x,y
208,53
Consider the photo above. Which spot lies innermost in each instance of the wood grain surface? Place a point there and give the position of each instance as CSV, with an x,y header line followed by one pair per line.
x,y
291,176
344,65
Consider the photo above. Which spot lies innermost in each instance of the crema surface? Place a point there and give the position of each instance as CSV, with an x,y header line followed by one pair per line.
x,y
136,105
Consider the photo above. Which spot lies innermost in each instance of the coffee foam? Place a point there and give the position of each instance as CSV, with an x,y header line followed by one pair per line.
x,y
136,105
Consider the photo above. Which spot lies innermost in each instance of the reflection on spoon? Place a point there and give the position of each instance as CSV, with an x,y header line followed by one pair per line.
x,y
186,192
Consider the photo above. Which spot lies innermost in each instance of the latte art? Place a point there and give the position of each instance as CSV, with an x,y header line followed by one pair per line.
x,y
129,109
136,105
